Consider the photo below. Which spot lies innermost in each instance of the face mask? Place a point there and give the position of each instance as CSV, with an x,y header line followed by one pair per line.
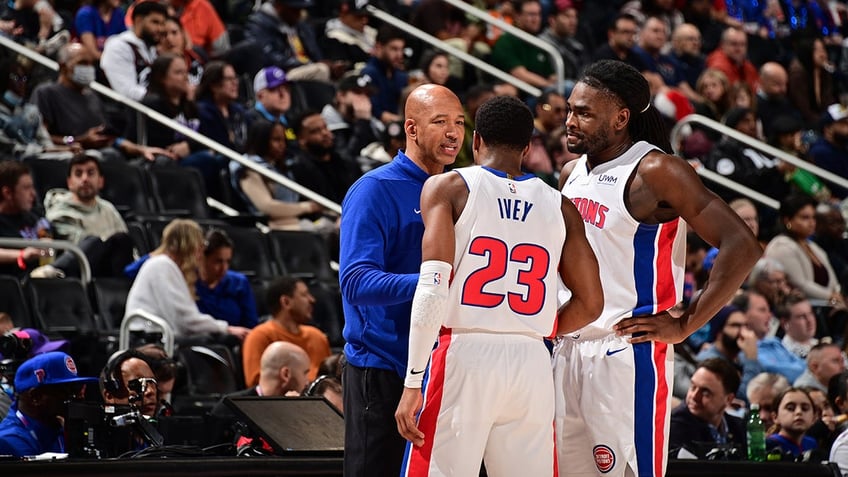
x,y
11,98
83,75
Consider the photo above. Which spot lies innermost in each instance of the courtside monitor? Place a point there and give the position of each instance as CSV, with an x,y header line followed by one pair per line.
x,y
293,425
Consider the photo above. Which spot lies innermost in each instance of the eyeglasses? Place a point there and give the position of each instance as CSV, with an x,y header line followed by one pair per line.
x,y
139,385
556,109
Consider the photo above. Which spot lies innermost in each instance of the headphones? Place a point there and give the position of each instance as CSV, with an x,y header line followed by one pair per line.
x,y
111,377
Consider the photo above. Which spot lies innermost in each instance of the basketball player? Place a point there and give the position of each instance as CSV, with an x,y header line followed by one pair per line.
x,y
494,240
636,202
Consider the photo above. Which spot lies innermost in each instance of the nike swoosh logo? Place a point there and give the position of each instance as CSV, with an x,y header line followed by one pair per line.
x,y
611,352
414,372
417,211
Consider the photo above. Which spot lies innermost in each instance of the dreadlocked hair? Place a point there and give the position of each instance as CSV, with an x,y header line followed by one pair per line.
x,y
630,89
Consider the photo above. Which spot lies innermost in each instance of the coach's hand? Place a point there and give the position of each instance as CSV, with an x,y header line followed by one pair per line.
x,y
660,327
408,407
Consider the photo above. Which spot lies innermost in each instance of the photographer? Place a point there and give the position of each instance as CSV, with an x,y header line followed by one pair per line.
x,y
128,379
43,385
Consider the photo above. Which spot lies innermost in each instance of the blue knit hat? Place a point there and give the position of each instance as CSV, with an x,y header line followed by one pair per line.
x,y
718,321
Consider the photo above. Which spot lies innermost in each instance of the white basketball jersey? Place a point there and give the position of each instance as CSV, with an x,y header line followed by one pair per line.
x,y
642,265
509,239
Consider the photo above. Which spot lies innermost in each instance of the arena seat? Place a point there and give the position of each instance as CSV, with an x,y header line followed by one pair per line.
x,y
13,302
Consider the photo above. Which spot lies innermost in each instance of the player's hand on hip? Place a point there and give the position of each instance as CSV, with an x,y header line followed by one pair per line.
x,y
660,327
410,404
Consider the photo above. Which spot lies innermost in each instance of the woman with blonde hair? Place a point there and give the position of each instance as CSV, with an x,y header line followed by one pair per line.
x,y
165,283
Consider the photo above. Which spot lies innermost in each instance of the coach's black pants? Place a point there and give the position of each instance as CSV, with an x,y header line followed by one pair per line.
x,y
373,447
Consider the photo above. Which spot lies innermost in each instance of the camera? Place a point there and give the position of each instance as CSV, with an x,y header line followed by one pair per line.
x,y
15,345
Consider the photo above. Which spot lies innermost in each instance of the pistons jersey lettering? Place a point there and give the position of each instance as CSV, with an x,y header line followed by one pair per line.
x,y
593,213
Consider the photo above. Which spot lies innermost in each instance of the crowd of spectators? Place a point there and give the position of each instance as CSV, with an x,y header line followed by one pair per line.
x,y
316,91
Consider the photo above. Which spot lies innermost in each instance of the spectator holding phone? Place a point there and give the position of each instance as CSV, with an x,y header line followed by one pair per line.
x,y
73,114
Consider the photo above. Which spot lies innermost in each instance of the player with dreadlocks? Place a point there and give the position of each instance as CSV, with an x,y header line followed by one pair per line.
x,y
636,201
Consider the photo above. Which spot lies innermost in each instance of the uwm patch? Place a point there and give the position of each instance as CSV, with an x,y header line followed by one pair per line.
x,y
604,458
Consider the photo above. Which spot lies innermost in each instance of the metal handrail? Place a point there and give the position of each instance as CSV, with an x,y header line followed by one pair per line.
x,y
146,317
432,40
559,64
189,133
85,268
676,133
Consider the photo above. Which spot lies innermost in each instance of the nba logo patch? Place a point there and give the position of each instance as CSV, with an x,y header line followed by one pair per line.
x,y
437,278
604,458
511,188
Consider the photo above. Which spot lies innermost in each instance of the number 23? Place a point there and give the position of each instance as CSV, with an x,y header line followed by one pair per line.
x,y
498,256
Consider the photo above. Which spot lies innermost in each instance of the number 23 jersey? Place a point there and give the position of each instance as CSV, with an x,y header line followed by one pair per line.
x,y
509,239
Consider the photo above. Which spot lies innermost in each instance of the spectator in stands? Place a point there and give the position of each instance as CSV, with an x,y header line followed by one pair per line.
x,y
96,22
652,42
127,58
328,387
17,196
686,50
279,36
772,101
221,292
830,151
290,304
165,285
731,58
811,84
318,166
550,112
837,394
282,370
702,423
526,62
349,37
34,23
799,324
349,116
824,361
562,33
794,414
744,164
621,38
762,390
34,424
714,89
273,99
164,370
168,95
376,154
73,114
176,41
222,118
386,70
266,145
806,264
768,278
773,356
23,132
732,341
78,214
203,25
434,67
128,379
830,236
476,96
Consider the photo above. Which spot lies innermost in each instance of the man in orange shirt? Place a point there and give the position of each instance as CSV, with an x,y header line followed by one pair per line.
x,y
291,307
731,58
203,25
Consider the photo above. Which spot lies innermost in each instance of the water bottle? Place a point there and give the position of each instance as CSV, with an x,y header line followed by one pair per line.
x,y
756,435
